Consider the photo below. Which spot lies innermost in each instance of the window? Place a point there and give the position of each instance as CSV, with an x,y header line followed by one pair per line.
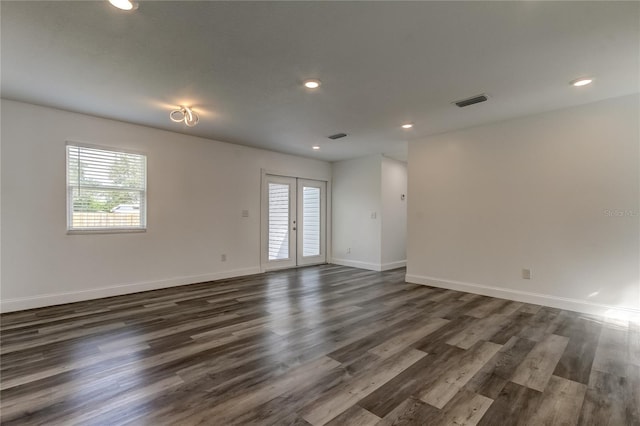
x,y
106,190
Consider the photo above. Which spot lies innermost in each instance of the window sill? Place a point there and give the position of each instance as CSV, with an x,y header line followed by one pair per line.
x,y
105,231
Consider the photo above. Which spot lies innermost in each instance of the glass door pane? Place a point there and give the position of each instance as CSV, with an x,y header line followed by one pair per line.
x,y
278,221
311,212
311,221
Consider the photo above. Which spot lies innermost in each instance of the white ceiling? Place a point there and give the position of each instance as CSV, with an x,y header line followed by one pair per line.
x,y
241,64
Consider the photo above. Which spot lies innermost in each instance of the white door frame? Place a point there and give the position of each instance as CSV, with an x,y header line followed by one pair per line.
x,y
264,204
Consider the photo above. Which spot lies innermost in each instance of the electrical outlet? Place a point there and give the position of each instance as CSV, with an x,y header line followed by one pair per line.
x,y
526,274
223,258
349,250
374,215
245,213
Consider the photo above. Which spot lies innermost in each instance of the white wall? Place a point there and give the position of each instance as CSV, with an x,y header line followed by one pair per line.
x,y
356,195
394,213
362,187
197,189
556,192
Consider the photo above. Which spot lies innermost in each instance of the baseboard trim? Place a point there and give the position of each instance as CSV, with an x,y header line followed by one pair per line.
x,y
370,266
357,264
393,265
22,303
576,305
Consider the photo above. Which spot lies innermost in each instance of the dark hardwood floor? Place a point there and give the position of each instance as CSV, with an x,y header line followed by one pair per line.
x,y
319,345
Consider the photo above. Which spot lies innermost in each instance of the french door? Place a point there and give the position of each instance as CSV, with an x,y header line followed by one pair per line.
x,y
294,222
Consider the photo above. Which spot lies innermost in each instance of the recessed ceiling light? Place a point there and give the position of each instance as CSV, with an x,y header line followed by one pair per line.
x,y
407,126
124,4
315,147
581,82
312,84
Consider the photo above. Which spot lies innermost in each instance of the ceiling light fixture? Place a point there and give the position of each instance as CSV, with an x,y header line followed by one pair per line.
x,y
186,114
312,84
124,4
407,126
315,147
581,82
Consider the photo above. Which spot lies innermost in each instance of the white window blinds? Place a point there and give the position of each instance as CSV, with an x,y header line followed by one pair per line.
x,y
278,221
106,190
311,221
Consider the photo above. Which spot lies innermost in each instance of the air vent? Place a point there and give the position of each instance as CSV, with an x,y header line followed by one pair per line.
x,y
470,101
338,136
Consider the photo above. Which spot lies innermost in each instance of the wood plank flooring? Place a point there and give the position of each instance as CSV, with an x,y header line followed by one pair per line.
x,y
323,345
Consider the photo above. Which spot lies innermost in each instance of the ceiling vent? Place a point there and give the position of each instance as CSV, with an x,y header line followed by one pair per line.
x,y
337,136
470,101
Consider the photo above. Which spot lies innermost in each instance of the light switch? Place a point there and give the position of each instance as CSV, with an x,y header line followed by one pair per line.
x,y
245,213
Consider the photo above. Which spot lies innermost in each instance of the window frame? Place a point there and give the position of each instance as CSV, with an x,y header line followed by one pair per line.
x,y
69,190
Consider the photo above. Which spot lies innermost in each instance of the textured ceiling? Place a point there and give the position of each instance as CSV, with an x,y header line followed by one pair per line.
x,y
241,64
